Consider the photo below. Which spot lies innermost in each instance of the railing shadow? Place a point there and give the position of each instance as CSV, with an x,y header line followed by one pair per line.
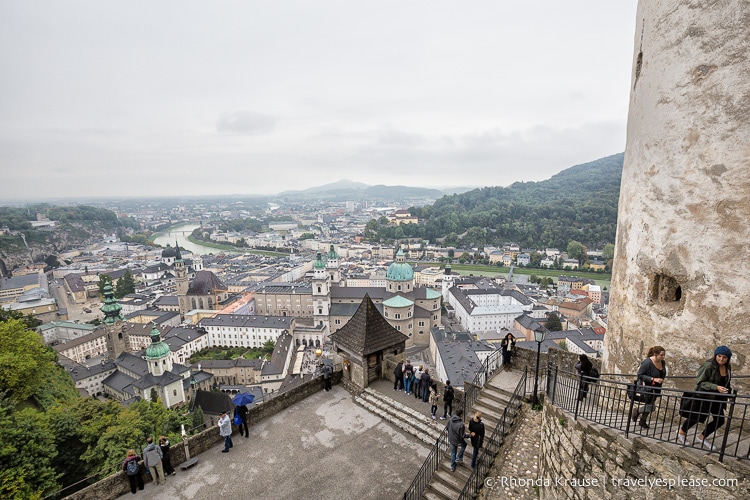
x,y
665,411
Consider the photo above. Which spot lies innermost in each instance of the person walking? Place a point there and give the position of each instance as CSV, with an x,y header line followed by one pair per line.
x,y
715,375
457,438
426,381
507,345
241,410
133,470
583,367
225,430
166,456
434,396
652,372
476,430
152,457
408,376
447,400
398,376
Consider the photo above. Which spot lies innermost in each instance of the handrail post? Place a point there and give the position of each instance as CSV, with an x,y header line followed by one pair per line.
x,y
727,426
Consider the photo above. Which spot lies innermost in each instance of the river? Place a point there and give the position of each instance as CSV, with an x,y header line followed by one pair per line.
x,y
180,234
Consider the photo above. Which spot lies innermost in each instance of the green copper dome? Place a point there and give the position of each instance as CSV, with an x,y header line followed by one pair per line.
x,y
158,349
332,255
400,270
319,264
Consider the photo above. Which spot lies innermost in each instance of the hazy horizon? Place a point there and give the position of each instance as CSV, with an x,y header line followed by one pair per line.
x,y
111,99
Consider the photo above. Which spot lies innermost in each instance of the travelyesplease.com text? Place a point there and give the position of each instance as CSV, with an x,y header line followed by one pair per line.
x,y
496,482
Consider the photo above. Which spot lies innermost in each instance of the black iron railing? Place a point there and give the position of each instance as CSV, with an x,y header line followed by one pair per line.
x,y
472,390
491,446
430,465
471,393
606,402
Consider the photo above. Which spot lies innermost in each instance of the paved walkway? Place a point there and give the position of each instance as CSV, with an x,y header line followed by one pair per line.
x,y
325,446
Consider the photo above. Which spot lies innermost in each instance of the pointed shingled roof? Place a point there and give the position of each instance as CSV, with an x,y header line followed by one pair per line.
x,y
368,331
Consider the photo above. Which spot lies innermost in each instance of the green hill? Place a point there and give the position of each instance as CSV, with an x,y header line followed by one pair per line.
x,y
579,203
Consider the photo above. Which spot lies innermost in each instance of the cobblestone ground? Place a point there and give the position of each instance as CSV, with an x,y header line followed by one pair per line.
x,y
518,459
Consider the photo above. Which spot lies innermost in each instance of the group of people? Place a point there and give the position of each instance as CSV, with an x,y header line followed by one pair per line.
x,y
419,382
157,460
714,377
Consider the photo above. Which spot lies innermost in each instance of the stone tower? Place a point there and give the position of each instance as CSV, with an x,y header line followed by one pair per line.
x,y
181,281
116,339
680,275
321,294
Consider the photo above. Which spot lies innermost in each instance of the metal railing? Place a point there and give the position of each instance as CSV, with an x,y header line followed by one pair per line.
x,y
471,393
726,418
492,445
489,367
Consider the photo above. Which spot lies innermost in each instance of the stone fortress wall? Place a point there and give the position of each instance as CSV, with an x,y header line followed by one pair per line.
x,y
680,276
581,460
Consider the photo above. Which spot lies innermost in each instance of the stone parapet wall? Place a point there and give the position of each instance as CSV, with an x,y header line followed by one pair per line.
x,y
117,484
583,460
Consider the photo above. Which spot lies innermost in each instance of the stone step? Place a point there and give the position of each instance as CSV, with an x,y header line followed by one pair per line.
x,y
397,422
398,410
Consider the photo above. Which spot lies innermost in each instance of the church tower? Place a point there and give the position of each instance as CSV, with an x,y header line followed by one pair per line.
x,y
181,281
116,338
158,355
332,266
321,294
679,277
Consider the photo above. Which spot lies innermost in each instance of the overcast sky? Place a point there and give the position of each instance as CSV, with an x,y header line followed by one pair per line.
x,y
117,98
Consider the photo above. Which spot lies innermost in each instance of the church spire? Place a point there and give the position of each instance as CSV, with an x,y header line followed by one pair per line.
x,y
111,308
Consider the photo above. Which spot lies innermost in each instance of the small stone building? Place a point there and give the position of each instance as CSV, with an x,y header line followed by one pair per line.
x,y
365,341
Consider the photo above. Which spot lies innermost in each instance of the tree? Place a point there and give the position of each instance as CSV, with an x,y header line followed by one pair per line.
x,y
608,253
553,323
576,250
23,360
26,454
125,285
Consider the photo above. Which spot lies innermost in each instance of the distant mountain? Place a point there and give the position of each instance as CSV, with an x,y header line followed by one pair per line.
x,y
579,203
345,190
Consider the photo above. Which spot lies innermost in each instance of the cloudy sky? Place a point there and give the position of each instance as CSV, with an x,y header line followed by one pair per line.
x,y
115,98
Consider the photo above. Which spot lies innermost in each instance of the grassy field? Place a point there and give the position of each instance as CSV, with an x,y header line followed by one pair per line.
x,y
603,279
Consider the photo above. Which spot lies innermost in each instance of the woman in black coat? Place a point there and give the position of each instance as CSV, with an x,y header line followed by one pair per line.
x,y
652,372
583,367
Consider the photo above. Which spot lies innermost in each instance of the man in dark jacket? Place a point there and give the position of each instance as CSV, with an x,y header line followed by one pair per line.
x,y
476,429
408,372
398,374
426,380
241,410
447,400
457,438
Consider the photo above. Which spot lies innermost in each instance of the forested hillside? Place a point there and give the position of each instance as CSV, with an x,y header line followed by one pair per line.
x,y
579,203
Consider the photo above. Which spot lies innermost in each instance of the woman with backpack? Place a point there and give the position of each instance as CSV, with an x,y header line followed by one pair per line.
x,y
132,469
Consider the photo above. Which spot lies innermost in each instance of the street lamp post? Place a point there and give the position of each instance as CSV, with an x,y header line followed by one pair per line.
x,y
539,335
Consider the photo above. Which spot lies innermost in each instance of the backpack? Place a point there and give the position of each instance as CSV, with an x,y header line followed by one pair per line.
x,y
133,468
448,394
594,375
407,374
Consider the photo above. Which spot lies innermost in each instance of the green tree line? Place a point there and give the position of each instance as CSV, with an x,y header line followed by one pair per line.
x,y
579,204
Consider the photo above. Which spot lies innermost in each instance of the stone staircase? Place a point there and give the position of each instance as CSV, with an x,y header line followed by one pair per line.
x,y
405,418
492,401
445,485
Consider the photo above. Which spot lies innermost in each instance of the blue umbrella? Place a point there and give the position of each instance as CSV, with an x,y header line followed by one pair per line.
x,y
243,398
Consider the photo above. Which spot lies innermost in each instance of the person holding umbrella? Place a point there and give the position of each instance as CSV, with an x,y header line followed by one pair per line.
x,y
241,400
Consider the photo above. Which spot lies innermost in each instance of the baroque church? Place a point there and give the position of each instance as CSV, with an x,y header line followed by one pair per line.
x,y
411,310
138,377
